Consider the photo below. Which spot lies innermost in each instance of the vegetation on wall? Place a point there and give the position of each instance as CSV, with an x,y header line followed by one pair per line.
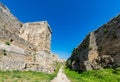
x,y
4,52
105,30
68,62
90,48
7,43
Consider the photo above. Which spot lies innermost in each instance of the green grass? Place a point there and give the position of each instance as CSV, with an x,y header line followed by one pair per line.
x,y
26,76
104,75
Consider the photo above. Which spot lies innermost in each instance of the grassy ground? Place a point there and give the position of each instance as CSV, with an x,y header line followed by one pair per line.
x,y
28,76
105,75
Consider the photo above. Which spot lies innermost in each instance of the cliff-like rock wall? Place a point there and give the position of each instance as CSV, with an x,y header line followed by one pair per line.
x,y
100,49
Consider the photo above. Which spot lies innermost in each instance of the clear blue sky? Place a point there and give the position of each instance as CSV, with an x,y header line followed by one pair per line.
x,y
70,20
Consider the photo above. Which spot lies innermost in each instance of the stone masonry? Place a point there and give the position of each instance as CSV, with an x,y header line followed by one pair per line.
x,y
100,49
37,33
25,46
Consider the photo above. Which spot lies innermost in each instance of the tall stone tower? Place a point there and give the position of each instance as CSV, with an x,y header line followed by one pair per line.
x,y
38,34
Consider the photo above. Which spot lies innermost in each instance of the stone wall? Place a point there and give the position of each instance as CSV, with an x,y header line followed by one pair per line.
x,y
25,62
108,42
102,48
7,36
25,46
8,21
15,58
80,54
37,33
93,48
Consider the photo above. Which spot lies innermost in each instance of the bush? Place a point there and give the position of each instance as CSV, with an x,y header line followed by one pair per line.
x,y
4,26
90,48
7,43
68,62
105,30
21,25
4,52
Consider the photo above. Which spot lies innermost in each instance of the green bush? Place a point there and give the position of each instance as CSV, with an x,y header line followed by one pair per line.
x,y
4,52
68,62
105,30
7,43
4,26
90,48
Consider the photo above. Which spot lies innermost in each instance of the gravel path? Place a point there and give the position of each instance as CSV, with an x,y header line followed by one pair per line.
x,y
61,77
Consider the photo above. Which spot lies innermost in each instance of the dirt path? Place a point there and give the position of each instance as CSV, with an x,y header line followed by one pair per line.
x,y
61,77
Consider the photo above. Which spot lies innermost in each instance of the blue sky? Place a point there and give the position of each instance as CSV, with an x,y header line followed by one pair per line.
x,y
70,20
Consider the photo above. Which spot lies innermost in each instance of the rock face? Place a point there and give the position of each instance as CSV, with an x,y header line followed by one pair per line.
x,y
100,49
25,46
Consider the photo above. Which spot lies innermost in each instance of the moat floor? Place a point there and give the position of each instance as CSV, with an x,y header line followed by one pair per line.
x,y
61,77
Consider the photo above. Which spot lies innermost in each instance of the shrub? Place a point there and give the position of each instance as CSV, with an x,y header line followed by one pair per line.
x,y
113,31
105,30
68,62
4,26
4,52
7,43
21,25
90,48
53,55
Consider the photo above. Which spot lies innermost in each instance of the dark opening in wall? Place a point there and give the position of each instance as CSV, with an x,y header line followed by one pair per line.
x,y
21,25
11,40
30,47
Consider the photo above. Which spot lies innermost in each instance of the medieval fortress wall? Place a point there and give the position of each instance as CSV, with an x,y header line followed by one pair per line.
x,y
25,46
99,49
37,33
8,20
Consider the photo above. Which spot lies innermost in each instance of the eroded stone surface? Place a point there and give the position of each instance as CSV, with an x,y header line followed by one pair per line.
x,y
100,49
14,58
37,33
25,46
